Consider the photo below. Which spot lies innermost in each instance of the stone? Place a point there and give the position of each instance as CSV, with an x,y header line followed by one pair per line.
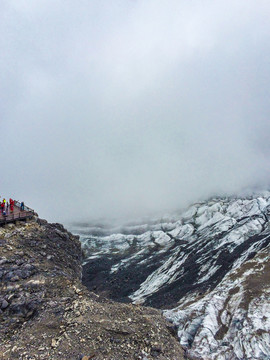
x,y
3,260
15,278
25,274
4,304
156,351
9,275
54,343
19,262
28,267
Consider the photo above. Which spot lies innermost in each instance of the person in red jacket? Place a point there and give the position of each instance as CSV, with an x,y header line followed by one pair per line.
x,y
11,203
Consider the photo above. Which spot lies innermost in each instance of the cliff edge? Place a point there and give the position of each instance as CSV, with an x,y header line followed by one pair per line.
x,y
46,312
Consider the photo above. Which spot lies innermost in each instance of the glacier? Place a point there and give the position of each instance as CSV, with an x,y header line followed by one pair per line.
x,y
206,268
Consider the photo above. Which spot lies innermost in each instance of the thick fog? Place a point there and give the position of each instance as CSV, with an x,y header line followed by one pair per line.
x,y
123,108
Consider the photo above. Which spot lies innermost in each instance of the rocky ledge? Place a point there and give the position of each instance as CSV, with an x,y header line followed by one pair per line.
x,y
46,312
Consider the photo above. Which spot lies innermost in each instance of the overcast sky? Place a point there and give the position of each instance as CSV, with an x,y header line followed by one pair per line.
x,y
125,107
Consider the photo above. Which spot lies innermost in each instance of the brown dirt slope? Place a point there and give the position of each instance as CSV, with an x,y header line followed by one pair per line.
x,y
46,313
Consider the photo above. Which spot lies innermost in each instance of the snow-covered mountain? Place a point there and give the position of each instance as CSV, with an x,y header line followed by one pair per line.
x,y
208,268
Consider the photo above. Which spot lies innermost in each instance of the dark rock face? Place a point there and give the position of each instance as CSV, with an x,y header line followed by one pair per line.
x,y
46,313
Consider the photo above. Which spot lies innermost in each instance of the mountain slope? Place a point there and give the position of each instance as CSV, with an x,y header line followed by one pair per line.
x,y
208,267
46,313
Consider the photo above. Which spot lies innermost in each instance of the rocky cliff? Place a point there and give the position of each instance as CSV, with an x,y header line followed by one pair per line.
x,y
46,312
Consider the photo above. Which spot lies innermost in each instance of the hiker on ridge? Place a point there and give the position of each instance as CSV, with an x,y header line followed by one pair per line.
x,y
11,202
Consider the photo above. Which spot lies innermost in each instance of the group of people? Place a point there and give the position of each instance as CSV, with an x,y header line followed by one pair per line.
x,y
8,207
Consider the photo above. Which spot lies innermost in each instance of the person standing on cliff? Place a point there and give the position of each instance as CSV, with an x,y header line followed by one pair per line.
x,y
4,207
11,202
22,206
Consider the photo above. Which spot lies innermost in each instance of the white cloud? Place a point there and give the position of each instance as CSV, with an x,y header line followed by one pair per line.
x,y
128,107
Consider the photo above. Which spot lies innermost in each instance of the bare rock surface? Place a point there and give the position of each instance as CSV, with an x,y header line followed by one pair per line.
x,y
46,312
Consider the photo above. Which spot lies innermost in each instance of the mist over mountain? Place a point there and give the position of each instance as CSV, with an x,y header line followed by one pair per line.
x,y
131,107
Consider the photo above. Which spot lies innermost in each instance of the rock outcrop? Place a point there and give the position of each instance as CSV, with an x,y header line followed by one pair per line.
x,y
46,312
